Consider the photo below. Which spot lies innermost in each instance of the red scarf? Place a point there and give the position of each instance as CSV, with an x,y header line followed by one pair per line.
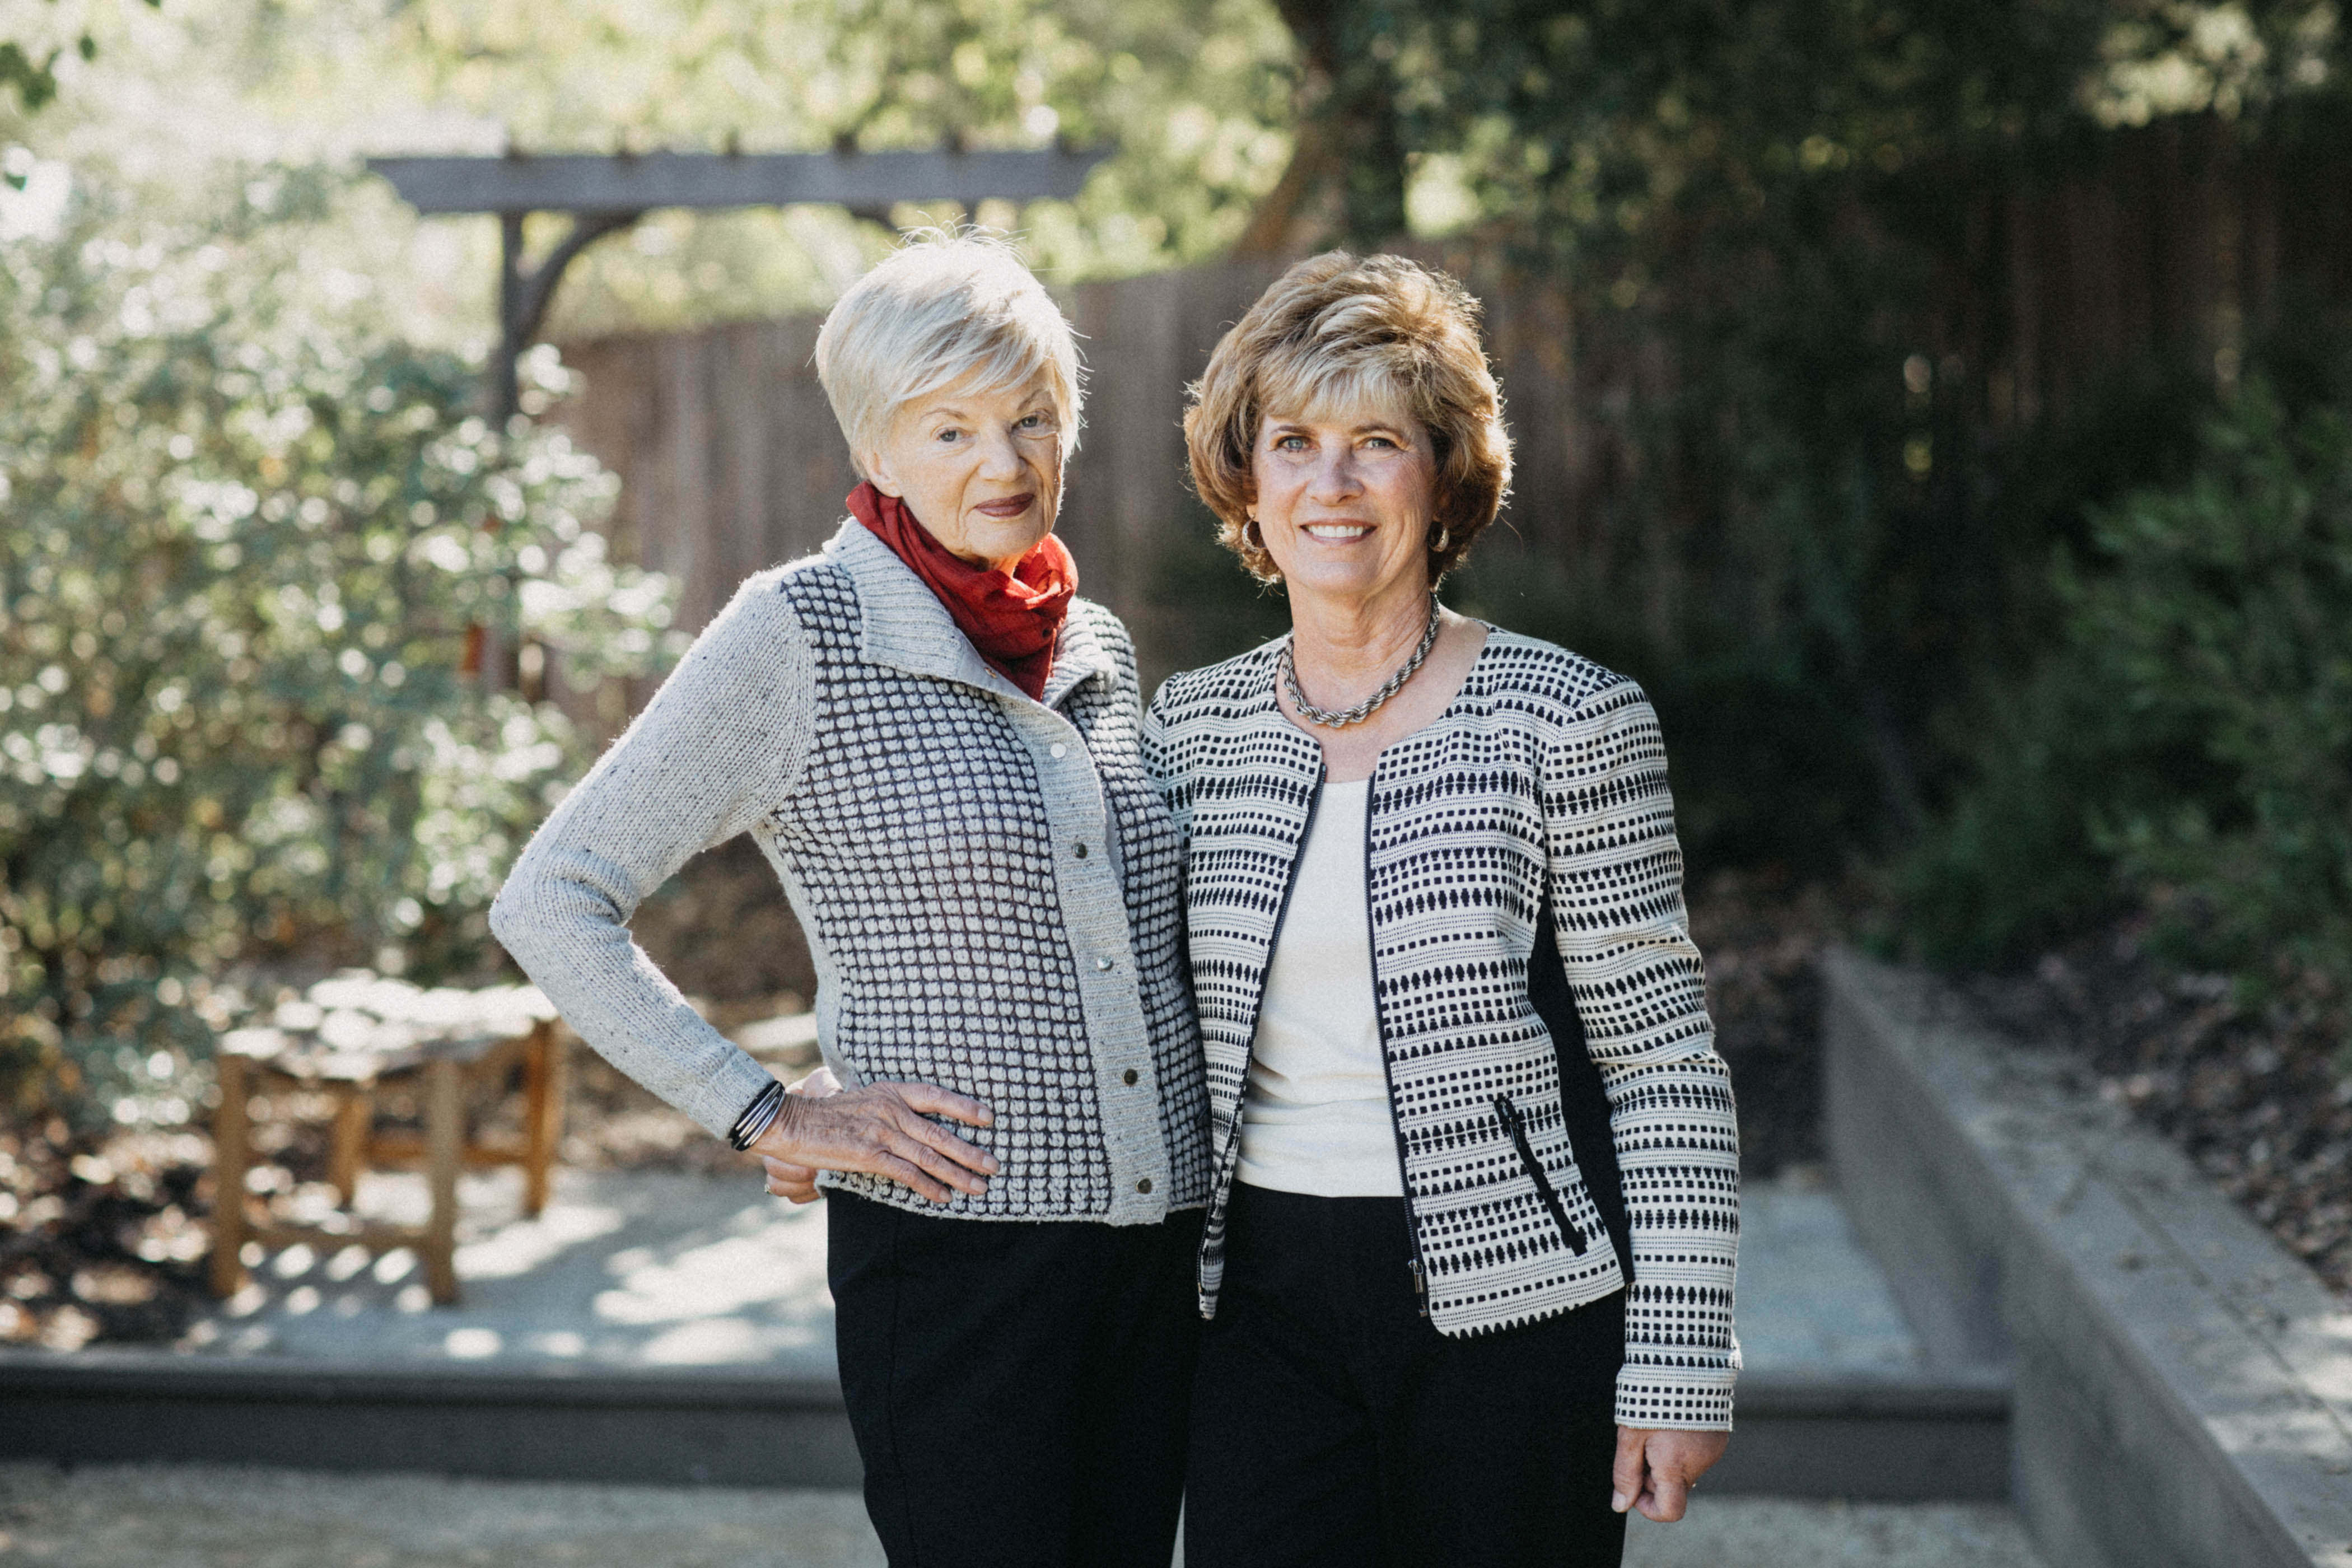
x,y
1013,618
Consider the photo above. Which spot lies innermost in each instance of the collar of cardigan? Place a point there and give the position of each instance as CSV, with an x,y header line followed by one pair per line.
x,y
902,624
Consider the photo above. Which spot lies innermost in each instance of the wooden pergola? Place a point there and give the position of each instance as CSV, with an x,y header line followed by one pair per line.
x,y
606,194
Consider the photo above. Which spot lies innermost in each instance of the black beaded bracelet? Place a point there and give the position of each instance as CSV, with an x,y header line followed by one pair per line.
x,y
758,1116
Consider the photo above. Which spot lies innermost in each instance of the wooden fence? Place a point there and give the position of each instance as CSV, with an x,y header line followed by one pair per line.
x,y
2174,244
728,457
730,461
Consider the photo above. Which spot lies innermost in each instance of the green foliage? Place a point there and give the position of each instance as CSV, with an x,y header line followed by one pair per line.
x,y
1591,126
1782,228
1763,757
1190,96
2015,861
2226,615
2191,738
250,541
35,80
29,58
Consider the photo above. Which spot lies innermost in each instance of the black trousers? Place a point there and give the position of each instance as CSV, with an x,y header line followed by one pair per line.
x,y
1333,1426
1018,1391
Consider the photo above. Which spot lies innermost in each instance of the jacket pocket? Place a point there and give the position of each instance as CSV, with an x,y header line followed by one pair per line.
x,y
1517,1126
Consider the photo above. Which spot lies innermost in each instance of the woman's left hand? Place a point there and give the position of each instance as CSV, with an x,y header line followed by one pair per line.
x,y
1657,1467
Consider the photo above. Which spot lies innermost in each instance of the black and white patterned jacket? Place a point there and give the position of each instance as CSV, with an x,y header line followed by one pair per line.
x,y
989,885
1545,774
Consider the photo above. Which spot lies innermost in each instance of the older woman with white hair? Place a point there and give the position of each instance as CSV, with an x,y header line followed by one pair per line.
x,y
938,746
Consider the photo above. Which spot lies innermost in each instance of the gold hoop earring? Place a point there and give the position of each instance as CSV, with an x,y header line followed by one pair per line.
x,y
1444,538
1251,535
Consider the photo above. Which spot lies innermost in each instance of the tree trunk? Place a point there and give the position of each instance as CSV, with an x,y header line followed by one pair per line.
x,y
1346,174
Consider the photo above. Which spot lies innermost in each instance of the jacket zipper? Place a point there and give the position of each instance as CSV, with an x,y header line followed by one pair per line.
x,y
1413,1263
1517,1125
1249,1056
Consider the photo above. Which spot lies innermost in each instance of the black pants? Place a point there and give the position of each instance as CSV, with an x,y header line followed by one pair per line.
x,y
1333,1424
1017,1390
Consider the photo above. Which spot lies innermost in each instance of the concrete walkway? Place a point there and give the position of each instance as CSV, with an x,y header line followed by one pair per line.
x,y
623,1270
1807,1296
628,1269
203,1517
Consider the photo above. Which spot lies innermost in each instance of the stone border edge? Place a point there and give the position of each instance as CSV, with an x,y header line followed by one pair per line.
x,y
2182,1385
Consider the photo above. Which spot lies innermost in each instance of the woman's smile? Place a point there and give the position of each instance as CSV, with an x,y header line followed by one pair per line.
x,y
1343,503
1009,507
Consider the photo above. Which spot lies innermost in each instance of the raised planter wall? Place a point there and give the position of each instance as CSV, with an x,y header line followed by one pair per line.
x,y
2182,1385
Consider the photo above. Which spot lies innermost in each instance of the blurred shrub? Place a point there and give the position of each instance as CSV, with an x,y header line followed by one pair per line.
x,y
250,545
2192,735
2017,861
2228,617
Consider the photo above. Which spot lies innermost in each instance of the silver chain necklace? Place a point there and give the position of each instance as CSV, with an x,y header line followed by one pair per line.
x,y
1369,705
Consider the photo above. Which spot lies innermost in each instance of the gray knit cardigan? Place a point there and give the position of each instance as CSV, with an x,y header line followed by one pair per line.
x,y
989,885
1544,775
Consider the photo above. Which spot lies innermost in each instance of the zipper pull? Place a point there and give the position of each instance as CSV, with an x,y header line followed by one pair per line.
x,y
1420,1286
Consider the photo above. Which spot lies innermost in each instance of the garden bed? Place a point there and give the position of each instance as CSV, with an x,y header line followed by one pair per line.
x,y
2259,1096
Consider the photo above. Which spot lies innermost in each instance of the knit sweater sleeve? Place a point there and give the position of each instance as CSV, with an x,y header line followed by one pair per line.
x,y
719,746
1641,992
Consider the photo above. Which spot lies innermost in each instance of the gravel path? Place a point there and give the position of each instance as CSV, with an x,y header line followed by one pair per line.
x,y
140,1516
136,1516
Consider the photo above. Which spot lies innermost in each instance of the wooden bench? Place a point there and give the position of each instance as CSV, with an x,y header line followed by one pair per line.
x,y
352,1037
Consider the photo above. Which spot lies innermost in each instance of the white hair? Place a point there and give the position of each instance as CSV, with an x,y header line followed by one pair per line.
x,y
941,307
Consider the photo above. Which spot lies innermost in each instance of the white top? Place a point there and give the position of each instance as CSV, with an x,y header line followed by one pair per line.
x,y
1316,1119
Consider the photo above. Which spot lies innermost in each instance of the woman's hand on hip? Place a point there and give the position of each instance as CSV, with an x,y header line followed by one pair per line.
x,y
880,1129
786,1180
1657,1467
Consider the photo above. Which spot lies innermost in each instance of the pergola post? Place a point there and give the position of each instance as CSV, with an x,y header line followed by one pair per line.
x,y
524,296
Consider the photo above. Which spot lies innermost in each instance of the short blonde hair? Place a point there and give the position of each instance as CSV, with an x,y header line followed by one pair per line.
x,y
1337,331
940,307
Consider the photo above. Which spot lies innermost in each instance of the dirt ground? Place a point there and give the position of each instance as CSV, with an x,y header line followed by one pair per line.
x,y
1763,935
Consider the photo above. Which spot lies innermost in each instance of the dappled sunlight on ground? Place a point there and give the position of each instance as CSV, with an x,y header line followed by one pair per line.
x,y
623,1269
662,1270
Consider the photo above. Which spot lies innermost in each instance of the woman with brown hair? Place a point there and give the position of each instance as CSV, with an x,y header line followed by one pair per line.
x,y
1474,1207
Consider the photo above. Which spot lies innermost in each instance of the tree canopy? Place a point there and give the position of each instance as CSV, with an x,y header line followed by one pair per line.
x,y
1194,95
